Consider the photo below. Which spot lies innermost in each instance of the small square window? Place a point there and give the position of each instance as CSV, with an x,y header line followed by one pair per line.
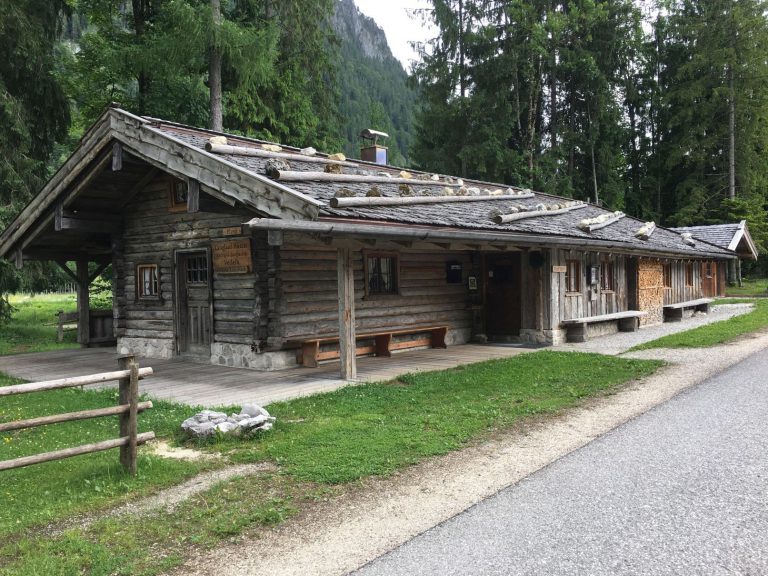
x,y
177,194
146,281
381,273
573,276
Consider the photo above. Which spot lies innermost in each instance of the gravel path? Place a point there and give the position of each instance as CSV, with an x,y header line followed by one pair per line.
x,y
623,341
342,534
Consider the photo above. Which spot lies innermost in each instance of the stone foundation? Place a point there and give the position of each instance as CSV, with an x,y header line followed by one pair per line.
x,y
241,356
147,347
542,337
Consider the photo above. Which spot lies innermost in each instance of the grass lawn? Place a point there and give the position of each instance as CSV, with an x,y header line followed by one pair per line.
x,y
751,287
33,326
716,333
319,443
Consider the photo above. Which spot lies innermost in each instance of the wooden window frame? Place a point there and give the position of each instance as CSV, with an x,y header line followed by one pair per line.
x,y
607,265
708,269
139,284
569,277
689,275
174,205
666,272
366,273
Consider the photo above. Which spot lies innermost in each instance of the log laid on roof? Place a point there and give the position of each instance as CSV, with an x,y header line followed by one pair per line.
x,y
592,224
507,218
411,200
298,176
645,231
261,153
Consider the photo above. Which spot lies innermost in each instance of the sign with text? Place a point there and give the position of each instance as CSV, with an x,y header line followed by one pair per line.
x,y
232,256
559,269
232,231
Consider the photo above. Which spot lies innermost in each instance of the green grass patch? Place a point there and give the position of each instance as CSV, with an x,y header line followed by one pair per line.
x,y
43,493
750,287
717,332
32,327
375,429
321,443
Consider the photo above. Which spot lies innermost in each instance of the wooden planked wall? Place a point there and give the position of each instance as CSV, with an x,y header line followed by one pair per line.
x,y
590,301
151,235
680,291
308,305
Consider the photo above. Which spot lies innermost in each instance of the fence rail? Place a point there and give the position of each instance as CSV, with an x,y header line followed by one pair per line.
x,y
127,410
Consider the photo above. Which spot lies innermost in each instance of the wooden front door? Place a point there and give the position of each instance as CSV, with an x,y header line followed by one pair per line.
x,y
194,330
502,296
709,279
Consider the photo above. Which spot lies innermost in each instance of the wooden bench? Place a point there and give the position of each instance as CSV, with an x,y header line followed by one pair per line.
x,y
310,354
101,332
576,329
674,312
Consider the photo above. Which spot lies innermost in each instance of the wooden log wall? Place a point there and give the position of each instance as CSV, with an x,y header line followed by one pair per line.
x,y
681,291
309,303
590,300
151,235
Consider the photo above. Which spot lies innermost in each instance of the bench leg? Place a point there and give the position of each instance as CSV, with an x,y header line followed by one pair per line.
x,y
576,333
629,324
673,315
703,308
382,345
438,338
309,352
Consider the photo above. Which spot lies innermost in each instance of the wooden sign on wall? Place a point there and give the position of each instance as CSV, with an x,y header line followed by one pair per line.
x,y
232,256
559,269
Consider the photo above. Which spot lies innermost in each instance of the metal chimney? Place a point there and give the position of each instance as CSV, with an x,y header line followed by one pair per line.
x,y
372,151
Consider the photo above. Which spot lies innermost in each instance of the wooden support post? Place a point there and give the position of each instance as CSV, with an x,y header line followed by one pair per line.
x,y
129,394
347,341
60,326
83,304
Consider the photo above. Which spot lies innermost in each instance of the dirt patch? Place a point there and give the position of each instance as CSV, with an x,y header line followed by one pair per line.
x,y
166,500
164,450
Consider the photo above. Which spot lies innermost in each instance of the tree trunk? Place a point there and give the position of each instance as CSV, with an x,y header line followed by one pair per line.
x,y
214,69
140,17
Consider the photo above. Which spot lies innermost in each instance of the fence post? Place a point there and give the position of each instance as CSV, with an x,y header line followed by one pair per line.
x,y
59,327
129,394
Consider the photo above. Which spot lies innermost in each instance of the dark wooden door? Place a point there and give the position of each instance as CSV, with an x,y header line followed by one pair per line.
x,y
709,279
194,329
502,296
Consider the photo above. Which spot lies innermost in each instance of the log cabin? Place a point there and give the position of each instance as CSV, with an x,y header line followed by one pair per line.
x,y
238,252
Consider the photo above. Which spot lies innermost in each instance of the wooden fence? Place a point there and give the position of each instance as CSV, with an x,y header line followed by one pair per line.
x,y
127,410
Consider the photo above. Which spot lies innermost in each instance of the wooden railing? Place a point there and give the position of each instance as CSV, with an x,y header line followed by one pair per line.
x,y
127,409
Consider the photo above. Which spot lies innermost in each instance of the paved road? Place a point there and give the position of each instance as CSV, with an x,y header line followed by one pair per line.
x,y
682,489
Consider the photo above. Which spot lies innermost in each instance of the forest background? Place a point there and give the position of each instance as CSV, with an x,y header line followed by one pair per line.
x,y
657,107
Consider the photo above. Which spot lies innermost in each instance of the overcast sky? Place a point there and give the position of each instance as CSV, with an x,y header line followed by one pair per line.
x,y
394,17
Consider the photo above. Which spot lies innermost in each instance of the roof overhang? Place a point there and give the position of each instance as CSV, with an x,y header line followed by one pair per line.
x,y
351,229
137,136
742,242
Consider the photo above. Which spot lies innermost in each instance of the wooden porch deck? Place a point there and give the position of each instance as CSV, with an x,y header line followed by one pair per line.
x,y
208,385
